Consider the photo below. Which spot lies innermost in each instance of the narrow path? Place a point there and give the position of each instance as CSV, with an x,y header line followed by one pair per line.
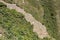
x,y
37,26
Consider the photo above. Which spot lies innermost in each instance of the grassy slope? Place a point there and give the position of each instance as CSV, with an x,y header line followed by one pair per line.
x,y
31,6
14,26
49,18
58,18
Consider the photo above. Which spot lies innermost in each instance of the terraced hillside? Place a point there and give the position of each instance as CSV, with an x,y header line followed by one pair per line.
x,y
45,12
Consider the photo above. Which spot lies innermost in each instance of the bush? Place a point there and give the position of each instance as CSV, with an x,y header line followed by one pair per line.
x,y
2,5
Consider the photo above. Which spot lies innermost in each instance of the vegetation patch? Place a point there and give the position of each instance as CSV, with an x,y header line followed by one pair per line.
x,y
15,26
31,6
50,18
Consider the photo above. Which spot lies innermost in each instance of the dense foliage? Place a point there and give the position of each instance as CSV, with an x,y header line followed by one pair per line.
x,y
14,26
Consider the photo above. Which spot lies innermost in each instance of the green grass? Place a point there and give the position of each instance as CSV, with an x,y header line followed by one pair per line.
x,y
32,7
15,26
50,18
